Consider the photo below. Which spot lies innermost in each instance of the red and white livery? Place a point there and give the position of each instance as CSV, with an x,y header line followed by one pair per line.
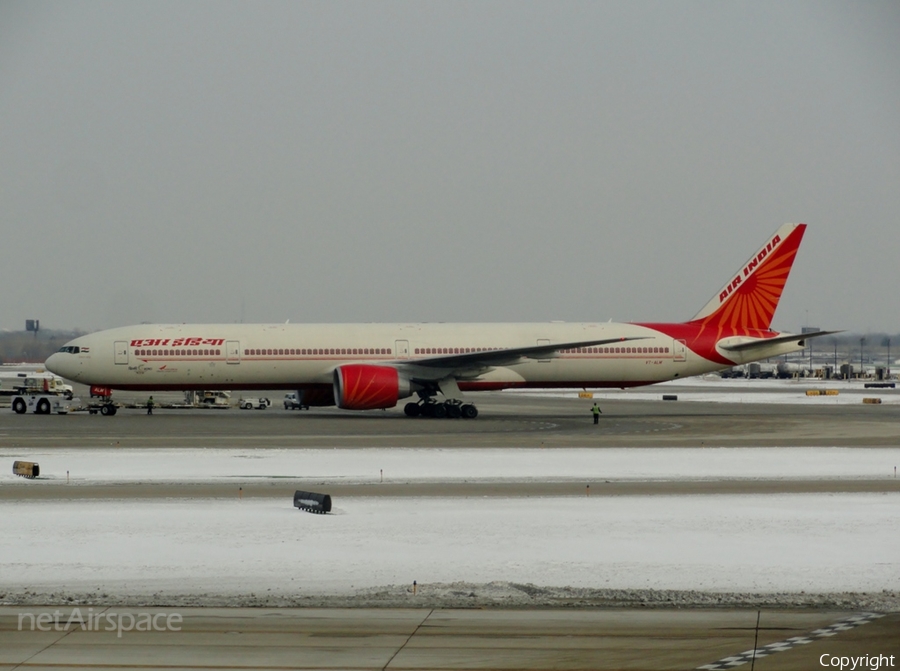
x,y
367,366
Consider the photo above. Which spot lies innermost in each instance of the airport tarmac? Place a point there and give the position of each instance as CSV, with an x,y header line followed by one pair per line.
x,y
506,420
437,639
581,636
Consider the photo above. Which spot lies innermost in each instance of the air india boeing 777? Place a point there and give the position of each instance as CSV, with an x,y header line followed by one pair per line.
x,y
368,366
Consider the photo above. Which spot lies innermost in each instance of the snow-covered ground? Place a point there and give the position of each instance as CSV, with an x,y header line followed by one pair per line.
x,y
790,542
716,543
346,465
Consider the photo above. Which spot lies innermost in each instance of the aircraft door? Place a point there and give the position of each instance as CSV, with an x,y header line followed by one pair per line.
x,y
121,352
680,350
232,351
401,349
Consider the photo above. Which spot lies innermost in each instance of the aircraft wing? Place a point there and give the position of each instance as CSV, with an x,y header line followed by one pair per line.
x,y
748,345
440,366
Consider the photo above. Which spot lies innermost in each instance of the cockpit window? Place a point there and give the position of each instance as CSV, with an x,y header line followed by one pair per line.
x,y
70,349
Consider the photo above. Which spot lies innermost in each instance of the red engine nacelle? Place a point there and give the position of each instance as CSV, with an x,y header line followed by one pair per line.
x,y
365,387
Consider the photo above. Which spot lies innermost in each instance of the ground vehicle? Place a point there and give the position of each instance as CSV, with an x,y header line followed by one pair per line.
x,y
36,382
40,404
40,393
208,399
254,403
292,402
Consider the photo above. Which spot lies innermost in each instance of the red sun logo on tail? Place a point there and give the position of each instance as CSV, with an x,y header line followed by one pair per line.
x,y
746,305
748,302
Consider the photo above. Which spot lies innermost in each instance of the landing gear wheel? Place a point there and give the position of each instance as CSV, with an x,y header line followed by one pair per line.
x,y
453,411
43,407
439,411
19,406
469,411
412,409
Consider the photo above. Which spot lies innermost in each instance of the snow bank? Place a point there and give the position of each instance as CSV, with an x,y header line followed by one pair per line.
x,y
343,465
756,543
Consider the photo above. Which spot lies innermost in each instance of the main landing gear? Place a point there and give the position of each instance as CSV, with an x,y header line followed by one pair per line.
x,y
450,409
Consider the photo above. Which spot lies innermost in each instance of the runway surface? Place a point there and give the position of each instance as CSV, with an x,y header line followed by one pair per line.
x,y
586,635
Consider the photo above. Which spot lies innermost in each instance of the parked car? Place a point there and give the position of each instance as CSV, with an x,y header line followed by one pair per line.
x,y
292,402
254,403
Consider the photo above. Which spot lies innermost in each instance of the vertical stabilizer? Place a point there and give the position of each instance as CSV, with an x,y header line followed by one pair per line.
x,y
749,300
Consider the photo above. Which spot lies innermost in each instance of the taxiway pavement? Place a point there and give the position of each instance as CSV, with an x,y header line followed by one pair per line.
x,y
436,639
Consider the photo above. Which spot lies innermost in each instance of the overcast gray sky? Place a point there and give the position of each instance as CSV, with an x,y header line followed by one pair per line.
x,y
484,161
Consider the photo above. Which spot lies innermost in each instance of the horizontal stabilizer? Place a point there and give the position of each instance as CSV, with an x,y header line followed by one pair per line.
x,y
745,344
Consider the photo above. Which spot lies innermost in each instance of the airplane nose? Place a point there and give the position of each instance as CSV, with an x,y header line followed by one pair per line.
x,y
52,363
61,364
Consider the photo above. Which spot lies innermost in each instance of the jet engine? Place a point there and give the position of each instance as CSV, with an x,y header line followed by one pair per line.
x,y
365,387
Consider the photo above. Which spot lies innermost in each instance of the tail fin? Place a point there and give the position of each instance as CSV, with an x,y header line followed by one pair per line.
x,y
749,300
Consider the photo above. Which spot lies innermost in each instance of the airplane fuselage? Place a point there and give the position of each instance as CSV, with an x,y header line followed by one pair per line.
x,y
368,366
298,356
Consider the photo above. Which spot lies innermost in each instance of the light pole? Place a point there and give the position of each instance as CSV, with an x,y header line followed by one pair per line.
x,y
836,370
862,342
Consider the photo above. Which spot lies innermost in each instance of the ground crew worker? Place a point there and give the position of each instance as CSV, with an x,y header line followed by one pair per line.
x,y
150,406
596,410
